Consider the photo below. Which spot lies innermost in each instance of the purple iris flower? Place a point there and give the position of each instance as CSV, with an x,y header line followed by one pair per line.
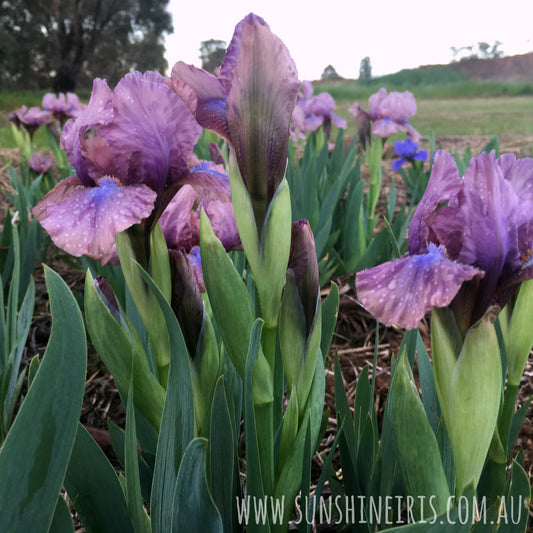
x,y
311,112
408,151
31,118
249,104
387,114
180,221
130,149
62,106
40,163
470,241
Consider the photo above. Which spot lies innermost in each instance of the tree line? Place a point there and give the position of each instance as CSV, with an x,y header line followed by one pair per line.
x,y
64,44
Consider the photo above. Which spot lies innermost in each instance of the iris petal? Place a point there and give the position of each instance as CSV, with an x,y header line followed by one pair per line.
x,y
444,186
142,135
402,291
204,94
260,103
84,220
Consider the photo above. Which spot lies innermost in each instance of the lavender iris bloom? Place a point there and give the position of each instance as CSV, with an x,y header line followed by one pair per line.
x,y
249,104
62,106
408,151
40,163
31,118
180,221
129,148
388,114
311,112
470,241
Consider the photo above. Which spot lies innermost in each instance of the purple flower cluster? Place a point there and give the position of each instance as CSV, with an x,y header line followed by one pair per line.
x,y
311,112
130,159
62,106
387,114
470,240
30,118
54,108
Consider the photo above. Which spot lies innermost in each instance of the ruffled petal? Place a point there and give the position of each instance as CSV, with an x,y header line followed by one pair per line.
x,y
84,220
210,181
204,94
98,112
152,133
385,127
444,186
179,227
403,290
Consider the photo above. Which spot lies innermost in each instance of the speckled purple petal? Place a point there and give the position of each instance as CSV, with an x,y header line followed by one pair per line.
x,y
99,111
403,290
210,181
519,172
84,220
180,229
259,105
491,208
152,133
204,94
223,222
444,186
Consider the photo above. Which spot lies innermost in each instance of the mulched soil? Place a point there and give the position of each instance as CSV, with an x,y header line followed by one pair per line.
x,y
353,340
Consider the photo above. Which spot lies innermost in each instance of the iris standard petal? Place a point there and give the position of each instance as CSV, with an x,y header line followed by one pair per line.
x,y
204,94
406,148
444,187
179,228
490,208
403,290
84,220
99,111
152,133
259,105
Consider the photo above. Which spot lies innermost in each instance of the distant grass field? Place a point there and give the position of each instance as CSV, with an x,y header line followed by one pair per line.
x,y
447,103
463,116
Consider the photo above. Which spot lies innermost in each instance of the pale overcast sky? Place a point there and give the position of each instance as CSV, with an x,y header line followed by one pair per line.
x,y
395,34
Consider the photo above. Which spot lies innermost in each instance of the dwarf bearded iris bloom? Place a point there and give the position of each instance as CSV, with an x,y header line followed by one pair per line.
x,y
408,151
311,112
470,240
129,148
387,113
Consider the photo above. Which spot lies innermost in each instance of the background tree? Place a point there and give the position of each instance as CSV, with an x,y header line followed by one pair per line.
x,y
211,54
365,69
64,44
329,73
